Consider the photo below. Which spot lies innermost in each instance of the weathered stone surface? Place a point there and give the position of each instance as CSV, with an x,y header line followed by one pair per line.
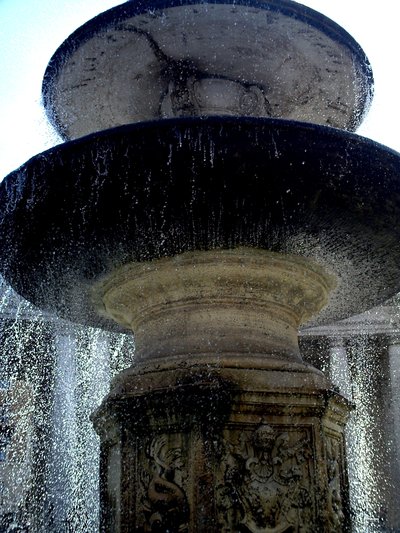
x,y
206,448
226,432
73,214
240,301
145,60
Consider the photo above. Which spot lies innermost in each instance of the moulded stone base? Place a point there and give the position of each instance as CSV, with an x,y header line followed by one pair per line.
x,y
223,447
219,302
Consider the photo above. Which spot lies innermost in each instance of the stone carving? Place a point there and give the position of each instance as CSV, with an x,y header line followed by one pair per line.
x,y
334,503
265,484
164,503
192,92
203,96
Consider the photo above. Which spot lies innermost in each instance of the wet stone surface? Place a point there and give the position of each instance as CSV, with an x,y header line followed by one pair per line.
x,y
216,455
73,214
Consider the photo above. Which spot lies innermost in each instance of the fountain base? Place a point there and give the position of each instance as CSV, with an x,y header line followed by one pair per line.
x,y
220,425
222,448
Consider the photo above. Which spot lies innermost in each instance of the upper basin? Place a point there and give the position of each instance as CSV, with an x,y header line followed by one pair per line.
x,y
146,60
71,215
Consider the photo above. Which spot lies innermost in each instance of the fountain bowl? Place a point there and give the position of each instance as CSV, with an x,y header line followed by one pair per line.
x,y
136,193
144,61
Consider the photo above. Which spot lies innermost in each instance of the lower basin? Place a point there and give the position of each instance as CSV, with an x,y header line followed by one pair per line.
x,y
73,214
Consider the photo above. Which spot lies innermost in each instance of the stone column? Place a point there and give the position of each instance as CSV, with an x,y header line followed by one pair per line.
x,y
370,465
393,437
82,377
339,371
220,426
60,476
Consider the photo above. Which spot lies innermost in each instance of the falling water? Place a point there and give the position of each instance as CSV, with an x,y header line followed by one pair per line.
x,y
368,455
362,364
52,376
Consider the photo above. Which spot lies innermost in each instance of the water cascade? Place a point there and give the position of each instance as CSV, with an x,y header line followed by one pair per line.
x,y
210,198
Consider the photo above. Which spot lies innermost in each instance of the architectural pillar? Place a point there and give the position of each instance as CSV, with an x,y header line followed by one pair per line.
x,y
393,431
339,371
81,379
370,459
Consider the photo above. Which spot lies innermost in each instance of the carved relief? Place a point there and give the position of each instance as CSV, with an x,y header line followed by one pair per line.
x,y
264,485
334,503
188,96
163,500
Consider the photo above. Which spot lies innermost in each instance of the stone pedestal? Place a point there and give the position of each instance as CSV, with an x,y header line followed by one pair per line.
x,y
220,426
205,448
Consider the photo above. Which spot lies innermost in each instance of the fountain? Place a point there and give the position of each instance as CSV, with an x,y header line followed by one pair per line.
x,y
211,208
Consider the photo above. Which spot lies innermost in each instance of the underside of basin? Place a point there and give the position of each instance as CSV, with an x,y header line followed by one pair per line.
x,y
73,214
149,60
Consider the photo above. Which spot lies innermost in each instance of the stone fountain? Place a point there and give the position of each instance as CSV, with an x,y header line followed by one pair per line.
x,y
211,198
